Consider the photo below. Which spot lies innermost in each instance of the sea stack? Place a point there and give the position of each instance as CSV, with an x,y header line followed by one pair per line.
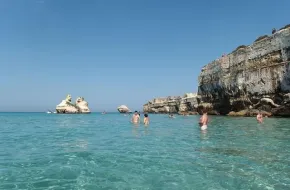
x,y
67,107
82,105
123,109
251,78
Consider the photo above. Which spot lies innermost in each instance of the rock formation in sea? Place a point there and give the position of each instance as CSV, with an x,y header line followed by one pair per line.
x,y
82,105
251,78
186,104
66,106
123,109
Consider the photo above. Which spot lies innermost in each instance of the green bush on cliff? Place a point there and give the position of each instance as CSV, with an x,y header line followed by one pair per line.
x,y
261,38
287,26
240,47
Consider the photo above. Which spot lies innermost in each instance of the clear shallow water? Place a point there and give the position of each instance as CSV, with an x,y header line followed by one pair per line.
x,y
47,151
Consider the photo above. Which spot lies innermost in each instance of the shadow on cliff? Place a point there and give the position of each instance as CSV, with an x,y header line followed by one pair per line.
x,y
283,92
223,105
216,103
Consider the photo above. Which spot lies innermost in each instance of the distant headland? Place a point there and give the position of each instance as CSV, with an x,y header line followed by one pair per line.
x,y
251,78
186,104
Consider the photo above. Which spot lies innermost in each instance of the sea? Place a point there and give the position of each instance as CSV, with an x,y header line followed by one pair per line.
x,y
95,151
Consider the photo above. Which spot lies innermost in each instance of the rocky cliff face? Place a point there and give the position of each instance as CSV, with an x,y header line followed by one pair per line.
x,y
186,104
250,78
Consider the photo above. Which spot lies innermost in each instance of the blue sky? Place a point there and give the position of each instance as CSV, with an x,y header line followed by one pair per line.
x,y
119,52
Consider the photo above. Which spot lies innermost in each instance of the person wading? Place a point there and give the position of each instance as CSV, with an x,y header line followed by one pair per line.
x,y
203,121
260,117
135,118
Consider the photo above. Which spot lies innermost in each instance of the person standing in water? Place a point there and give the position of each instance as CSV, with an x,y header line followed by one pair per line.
x,y
260,117
135,118
146,119
203,121
171,116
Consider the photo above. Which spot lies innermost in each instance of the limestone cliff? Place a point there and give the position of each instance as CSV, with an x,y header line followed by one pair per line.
x,y
251,77
173,104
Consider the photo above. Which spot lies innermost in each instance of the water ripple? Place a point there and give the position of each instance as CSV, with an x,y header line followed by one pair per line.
x,y
42,151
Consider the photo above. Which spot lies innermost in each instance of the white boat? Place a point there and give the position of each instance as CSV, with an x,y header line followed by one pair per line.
x,y
49,111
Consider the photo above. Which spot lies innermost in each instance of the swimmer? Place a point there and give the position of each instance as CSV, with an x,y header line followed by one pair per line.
x,y
203,121
146,119
260,117
135,118
171,116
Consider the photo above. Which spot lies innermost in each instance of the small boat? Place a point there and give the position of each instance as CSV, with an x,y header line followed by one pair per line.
x,y
104,112
49,112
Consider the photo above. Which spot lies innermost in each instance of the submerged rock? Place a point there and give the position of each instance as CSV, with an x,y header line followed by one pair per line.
x,y
255,76
249,113
66,106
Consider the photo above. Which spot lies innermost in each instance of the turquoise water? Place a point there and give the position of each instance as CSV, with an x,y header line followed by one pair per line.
x,y
48,151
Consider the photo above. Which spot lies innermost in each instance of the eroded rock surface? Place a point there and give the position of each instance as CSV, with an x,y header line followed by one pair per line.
x,y
82,105
186,104
66,106
123,109
251,77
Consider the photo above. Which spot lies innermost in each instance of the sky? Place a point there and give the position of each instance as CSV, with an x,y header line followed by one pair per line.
x,y
115,52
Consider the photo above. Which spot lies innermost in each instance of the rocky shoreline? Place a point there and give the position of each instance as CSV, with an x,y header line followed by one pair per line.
x,y
251,78
186,104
